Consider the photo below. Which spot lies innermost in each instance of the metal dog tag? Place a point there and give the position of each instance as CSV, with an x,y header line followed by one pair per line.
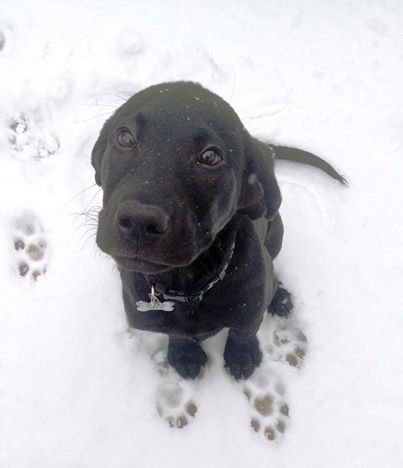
x,y
154,304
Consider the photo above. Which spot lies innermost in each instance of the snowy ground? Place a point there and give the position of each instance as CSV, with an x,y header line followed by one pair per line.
x,y
76,388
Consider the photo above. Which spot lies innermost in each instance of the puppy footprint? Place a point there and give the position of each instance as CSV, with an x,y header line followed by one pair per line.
x,y
2,40
174,401
131,44
30,139
174,404
268,407
286,343
30,246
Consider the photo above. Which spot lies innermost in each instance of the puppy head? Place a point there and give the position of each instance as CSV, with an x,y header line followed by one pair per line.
x,y
175,165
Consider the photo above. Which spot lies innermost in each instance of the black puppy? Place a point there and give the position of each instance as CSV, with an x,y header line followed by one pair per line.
x,y
190,214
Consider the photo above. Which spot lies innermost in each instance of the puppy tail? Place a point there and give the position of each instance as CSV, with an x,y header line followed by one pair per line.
x,y
303,157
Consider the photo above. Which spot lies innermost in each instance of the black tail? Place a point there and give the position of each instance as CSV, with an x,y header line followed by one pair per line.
x,y
300,156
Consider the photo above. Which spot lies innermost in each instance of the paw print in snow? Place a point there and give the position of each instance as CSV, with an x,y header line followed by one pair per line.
x,y
2,40
287,343
30,139
268,407
30,246
131,44
174,396
174,405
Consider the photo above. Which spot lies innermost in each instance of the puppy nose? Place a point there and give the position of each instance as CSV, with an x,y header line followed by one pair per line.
x,y
135,219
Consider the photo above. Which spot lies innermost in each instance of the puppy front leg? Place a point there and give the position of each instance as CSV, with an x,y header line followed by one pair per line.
x,y
242,353
186,356
158,321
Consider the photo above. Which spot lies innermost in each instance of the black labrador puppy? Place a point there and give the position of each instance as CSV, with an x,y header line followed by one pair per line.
x,y
191,216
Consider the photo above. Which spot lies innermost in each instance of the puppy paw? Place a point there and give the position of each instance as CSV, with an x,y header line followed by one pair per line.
x,y
30,246
268,407
187,358
242,360
281,303
30,139
287,343
174,405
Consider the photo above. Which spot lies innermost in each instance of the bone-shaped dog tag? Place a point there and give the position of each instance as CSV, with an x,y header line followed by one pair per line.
x,y
154,304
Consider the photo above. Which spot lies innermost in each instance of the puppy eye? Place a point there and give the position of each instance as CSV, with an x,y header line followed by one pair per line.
x,y
125,138
211,157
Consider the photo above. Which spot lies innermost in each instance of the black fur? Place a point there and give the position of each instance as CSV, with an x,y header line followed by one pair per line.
x,y
169,218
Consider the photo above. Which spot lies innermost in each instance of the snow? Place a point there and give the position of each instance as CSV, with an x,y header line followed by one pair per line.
x,y
78,390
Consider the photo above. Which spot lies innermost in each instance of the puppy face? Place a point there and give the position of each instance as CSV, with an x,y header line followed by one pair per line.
x,y
172,165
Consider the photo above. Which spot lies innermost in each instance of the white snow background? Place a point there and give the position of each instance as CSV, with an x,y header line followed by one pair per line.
x,y
76,390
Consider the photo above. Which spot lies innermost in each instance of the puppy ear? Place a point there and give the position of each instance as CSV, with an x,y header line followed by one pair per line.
x,y
98,153
260,191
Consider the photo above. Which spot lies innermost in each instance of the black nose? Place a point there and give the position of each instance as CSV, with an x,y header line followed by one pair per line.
x,y
135,219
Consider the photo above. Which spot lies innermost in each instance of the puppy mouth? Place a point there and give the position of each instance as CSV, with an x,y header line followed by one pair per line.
x,y
140,264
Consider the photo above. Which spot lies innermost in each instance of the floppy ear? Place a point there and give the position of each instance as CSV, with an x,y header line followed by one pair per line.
x,y
260,191
98,152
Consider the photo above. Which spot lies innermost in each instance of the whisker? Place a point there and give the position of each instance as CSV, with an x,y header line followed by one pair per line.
x,y
87,235
87,217
92,199
93,118
88,209
87,239
77,195
98,105
110,94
